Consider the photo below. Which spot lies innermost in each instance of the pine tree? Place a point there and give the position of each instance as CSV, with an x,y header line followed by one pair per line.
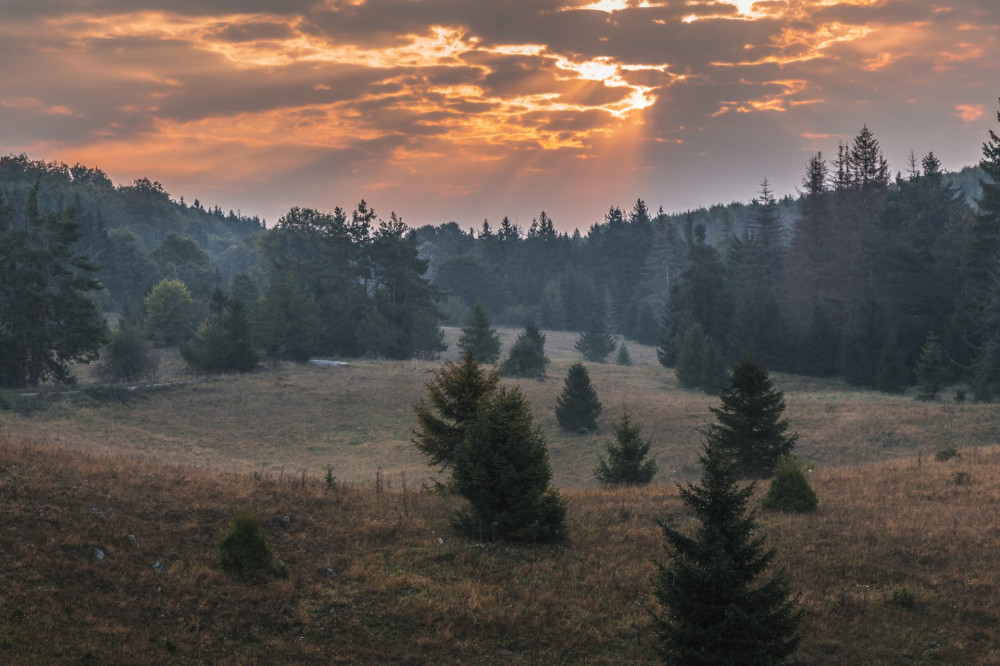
x,y
454,394
623,358
578,407
626,464
223,343
699,363
717,606
48,318
527,355
931,371
596,343
750,427
478,338
502,468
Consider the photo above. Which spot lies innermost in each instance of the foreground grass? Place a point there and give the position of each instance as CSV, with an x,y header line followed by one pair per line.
x,y
896,567
288,419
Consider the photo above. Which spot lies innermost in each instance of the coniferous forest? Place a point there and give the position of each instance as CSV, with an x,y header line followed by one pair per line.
x,y
855,276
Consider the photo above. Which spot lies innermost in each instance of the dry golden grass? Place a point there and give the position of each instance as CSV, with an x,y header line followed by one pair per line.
x,y
292,418
378,577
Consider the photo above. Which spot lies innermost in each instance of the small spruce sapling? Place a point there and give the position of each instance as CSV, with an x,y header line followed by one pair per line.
x,y
626,464
790,490
578,407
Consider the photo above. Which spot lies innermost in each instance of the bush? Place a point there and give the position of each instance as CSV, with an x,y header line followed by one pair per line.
x,y
127,357
903,598
244,549
947,453
790,491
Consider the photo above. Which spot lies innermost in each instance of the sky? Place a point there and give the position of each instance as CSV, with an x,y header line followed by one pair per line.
x,y
465,110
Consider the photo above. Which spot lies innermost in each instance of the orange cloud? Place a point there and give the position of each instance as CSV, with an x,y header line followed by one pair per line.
x,y
969,113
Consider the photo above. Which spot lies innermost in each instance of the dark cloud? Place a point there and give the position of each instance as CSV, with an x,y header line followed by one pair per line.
x,y
450,109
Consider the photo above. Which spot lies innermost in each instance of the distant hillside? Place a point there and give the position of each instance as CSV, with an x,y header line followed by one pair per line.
x,y
125,228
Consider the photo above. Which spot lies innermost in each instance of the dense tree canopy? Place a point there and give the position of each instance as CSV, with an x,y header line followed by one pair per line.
x,y
48,318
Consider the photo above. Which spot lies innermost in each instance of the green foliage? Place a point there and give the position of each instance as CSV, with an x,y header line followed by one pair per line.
x,y
454,395
527,355
750,427
699,363
48,318
478,338
595,344
931,372
502,469
891,375
578,407
790,490
244,548
903,598
169,318
623,358
223,342
127,355
286,320
716,605
946,454
626,464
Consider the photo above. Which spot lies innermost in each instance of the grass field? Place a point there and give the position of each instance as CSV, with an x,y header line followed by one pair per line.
x,y
296,418
897,566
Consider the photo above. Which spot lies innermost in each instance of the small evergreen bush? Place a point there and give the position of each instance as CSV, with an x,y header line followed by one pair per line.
x,y
244,548
578,407
624,358
626,464
947,453
790,491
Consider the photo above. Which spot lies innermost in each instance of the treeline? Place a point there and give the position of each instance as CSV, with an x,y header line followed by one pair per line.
x,y
135,233
857,277
866,275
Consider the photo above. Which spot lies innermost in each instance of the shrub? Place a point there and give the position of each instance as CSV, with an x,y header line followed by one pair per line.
x,y
790,491
947,453
903,598
244,548
127,356
961,478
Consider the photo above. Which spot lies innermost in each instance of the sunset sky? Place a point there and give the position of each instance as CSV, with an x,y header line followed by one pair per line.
x,y
467,110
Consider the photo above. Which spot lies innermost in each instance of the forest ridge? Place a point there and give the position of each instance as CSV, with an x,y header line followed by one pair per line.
x,y
857,276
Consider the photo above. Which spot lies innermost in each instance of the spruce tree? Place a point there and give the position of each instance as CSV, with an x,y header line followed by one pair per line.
x,y
223,343
502,468
478,338
626,464
578,407
623,358
718,605
595,344
930,370
790,490
699,363
48,316
750,428
454,394
527,355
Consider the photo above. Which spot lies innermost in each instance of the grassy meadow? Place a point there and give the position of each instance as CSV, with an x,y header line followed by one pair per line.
x,y
897,566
